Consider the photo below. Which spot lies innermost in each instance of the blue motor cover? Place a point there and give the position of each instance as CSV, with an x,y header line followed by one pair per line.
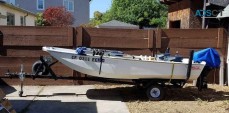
x,y
209,55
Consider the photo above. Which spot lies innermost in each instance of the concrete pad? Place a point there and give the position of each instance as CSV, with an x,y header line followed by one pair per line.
x,y
65,99
28,90
112,107
65,90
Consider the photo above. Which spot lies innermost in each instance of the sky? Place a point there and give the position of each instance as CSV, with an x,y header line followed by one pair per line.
x,y
99,5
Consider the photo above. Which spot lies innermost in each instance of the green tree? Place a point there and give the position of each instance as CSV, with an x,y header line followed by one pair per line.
x,y
97,18
139,12
40,21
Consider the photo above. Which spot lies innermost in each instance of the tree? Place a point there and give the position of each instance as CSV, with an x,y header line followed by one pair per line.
x,y
40,21
139,12
58,16
97,18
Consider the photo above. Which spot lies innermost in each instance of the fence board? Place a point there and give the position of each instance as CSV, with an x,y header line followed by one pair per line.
x,y
192,38
151,40
37,36
27,53
115,38
113,33
189,43
189,33
79,36
158,38
118,42
35,41
138,51
225,44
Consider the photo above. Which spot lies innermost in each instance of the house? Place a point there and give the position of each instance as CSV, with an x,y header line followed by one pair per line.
x,y
15,16
189,13
78,8
117,24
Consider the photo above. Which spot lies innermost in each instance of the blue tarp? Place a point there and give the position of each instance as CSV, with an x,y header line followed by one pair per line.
x,y
209,55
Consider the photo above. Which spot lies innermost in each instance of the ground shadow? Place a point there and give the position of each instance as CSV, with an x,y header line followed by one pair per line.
x,y
53,106
6,87
133,93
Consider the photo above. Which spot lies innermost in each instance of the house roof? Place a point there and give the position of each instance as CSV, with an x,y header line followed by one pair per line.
x,y
224,13
117,24
16,8
222,3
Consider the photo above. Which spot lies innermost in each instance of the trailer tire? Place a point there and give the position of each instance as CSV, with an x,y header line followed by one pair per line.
x,y
155,93
42,71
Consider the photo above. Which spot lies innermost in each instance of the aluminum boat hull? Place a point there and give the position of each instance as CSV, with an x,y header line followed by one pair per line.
x,y
124,68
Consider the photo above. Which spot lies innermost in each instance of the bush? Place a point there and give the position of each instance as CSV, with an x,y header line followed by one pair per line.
x,y
57,16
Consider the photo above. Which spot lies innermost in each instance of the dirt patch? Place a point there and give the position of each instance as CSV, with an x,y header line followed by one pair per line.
x,y
215,99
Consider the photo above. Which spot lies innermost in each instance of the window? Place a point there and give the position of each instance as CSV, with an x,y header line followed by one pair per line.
x,y
175,24
69,5
10,19
23,21
40,4
10,1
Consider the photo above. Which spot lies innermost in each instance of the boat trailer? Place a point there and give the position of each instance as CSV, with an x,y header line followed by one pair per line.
x,y
155,88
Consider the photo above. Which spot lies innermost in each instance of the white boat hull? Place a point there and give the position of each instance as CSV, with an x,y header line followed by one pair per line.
x,y
121,68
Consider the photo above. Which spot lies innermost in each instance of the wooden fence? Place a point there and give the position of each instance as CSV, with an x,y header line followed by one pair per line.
x,y
22,45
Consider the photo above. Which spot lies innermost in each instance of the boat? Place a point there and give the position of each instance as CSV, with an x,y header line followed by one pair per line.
x,y
123,66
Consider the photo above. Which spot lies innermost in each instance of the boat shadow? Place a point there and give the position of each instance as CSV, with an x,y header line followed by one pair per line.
x,y
132,93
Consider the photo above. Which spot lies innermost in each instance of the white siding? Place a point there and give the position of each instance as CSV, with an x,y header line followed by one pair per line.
x,y
30,19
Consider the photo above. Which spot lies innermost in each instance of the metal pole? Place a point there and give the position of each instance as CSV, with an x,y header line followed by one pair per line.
x,y
203,18
189,69
221,72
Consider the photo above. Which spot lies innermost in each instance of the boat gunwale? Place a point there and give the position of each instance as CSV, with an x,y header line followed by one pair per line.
x,y
121,58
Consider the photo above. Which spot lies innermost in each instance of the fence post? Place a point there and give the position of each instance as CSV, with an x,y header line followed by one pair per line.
x,y
79,36
74,46
158,38
151,41
77,41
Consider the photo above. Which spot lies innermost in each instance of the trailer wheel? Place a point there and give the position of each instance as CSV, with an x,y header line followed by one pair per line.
x,y
41,71
155,93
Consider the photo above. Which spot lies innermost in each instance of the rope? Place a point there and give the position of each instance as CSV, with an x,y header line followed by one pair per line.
x,y
171,73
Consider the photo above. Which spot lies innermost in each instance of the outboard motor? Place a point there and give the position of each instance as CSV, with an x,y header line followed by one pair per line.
x,y
212,59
